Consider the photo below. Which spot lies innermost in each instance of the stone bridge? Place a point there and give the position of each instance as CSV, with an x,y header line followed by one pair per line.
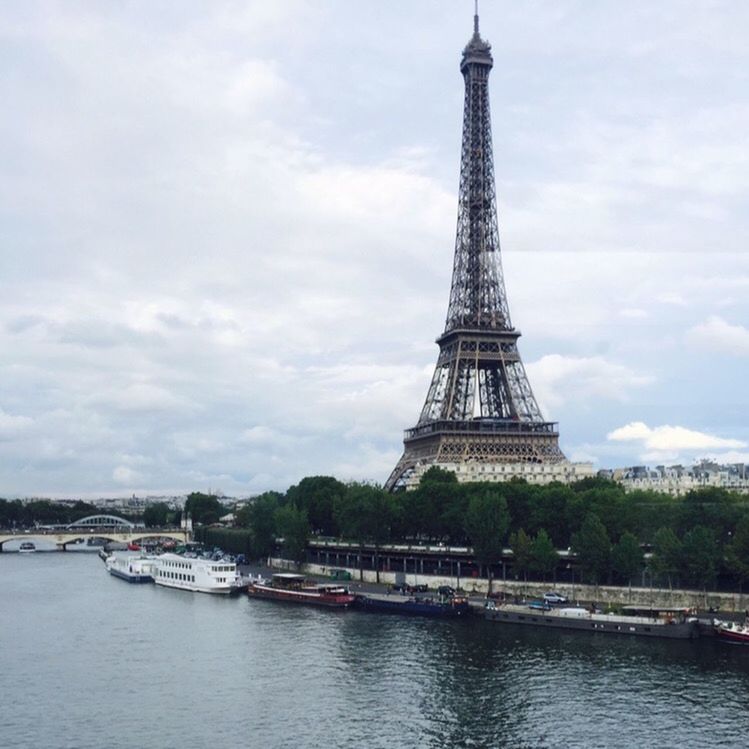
x,y
106,527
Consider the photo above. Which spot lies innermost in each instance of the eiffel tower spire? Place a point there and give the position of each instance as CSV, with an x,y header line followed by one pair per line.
x,y
480,406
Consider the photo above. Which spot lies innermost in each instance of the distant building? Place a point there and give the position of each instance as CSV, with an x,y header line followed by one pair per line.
x,y
678,480
563,471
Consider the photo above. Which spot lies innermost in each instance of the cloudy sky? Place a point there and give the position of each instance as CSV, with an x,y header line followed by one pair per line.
x,y
226,232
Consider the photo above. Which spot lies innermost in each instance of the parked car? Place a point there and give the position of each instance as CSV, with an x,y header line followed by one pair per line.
x,y
553,597
406,588
340,575
539,605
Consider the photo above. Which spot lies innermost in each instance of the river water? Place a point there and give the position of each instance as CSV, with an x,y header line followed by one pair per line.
x,y
87,660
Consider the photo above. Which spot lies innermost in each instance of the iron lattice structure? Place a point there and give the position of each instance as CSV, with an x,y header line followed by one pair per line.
x,y
480,406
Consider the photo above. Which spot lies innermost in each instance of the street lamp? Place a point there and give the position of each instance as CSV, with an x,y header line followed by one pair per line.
x,y
572,571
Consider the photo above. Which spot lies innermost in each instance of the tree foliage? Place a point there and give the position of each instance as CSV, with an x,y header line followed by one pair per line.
x,y
259,516
203,508
737,551
15,513
318,496
486,523
156,515
520,543
627,557
593,548
293,526
700,556
367,514
544,556
667,553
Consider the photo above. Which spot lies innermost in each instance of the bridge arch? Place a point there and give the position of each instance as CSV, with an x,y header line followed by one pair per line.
x,y
101,521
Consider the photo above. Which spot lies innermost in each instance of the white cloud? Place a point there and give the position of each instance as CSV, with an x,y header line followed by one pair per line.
x,y
718,335
11,425
558,379
124,475
140,397
670,439
635,314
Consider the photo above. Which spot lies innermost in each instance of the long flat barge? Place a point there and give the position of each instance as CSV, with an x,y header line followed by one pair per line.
x,y
676,626
423,606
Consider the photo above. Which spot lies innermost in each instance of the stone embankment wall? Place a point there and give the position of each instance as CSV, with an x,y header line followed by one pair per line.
x,y
602,594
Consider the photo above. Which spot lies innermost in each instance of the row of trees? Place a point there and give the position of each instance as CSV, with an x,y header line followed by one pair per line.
x,y
687,540
18,514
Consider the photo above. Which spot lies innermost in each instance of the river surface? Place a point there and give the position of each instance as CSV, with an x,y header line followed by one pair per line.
x,y
87,660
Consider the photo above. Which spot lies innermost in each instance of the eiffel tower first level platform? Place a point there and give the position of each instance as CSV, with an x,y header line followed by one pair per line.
x,y
480,417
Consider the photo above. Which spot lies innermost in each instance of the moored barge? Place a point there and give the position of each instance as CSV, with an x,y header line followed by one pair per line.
x,y
292,588
425,606
672,624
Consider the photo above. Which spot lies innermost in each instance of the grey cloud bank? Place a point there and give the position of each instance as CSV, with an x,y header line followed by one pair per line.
x,y
226,232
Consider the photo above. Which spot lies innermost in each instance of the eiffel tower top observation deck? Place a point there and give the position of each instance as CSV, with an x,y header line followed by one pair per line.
x,y
480,406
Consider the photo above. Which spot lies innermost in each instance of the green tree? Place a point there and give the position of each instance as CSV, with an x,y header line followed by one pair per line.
x,y
520,543
713,508
700,556
667,552
544,556
156,515
521,499
259,516
292,524
486,523
439,504
593,548
737,551
549,512
203,508
626,558
318,497
366,514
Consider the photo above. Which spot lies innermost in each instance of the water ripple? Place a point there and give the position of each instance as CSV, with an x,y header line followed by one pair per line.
x,y
88,660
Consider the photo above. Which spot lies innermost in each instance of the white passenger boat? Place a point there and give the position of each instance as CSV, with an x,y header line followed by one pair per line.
x,y
198,575
135,568
26,547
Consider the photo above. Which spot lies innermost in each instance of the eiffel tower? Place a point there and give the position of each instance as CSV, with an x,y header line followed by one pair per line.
x,y
480,407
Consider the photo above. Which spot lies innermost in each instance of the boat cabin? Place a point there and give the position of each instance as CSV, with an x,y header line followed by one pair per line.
x,y
663,613
288,580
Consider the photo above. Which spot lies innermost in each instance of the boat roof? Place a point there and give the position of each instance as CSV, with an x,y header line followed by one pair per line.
x,y
287,576
657,609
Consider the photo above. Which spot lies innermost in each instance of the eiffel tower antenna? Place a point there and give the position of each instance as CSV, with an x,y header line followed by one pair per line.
x,y
479,408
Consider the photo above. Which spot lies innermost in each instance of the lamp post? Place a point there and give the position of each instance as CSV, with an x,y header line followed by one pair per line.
x,y
572,571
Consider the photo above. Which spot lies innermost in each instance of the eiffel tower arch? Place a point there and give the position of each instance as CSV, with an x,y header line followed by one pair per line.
x,y
480,416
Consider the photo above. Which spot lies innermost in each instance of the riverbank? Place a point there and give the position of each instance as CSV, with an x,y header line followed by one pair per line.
x,y
604,594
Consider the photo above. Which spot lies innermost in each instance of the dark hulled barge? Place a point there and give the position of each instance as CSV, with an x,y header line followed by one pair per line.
x,y
413,606
675,624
